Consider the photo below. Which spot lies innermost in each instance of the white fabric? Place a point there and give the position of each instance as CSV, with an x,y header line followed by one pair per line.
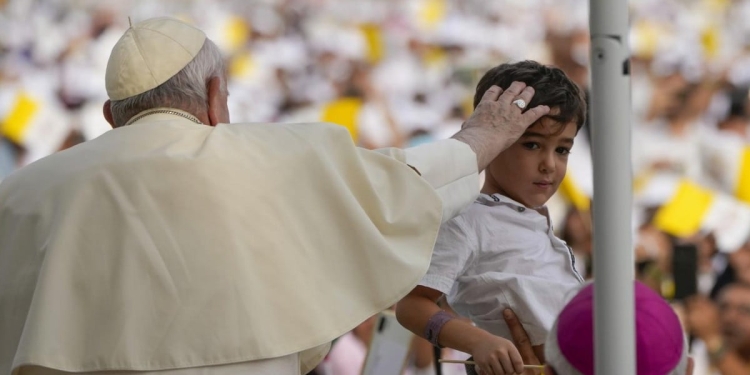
x,y
450,167
726,217
679,154
499,254
373,127
287,365
150,53
729,221
127,219
118,249
721,158
275,366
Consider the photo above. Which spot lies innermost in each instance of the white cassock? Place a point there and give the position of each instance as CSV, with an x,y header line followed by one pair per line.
x,y
186,249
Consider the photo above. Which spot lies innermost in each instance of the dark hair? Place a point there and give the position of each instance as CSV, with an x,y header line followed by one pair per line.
x,y
551,88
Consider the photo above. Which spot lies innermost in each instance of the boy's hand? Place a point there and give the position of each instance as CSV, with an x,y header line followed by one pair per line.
x,y
496,356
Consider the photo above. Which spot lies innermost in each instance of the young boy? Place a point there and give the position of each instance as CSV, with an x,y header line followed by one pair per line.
x,y
501,251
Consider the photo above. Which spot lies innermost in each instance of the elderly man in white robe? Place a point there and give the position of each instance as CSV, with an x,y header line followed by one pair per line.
x,y
179,243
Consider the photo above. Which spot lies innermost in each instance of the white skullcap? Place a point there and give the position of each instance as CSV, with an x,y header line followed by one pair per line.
x,y
150,53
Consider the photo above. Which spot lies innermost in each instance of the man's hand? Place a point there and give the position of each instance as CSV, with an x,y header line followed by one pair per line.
x,y
497,123
531,355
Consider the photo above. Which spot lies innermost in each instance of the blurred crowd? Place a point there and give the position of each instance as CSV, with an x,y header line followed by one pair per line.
x,y
401,73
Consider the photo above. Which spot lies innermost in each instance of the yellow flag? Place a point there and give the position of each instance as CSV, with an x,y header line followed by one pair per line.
x,y
742,190
711,41
574,194
647,34
237,33
374,38
435,56
15,125
684,213
432,13
343,111
241,65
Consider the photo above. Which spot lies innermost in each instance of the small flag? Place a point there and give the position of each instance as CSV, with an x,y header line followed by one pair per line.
x,y
343,111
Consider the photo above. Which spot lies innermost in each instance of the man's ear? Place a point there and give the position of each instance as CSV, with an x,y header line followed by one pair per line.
x,y
108,113
218,112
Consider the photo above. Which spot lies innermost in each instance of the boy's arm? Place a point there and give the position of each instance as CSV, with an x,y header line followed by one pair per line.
x,y
414,310
492,354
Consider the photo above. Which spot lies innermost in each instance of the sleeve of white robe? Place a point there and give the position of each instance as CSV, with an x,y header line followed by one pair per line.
x,y
449,166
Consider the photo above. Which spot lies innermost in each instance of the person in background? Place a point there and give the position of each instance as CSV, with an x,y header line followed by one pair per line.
x,y
723,327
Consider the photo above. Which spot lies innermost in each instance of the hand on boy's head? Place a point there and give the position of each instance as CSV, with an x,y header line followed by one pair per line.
x,y
503,119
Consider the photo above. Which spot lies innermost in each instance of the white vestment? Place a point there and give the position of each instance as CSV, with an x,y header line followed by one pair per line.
x,y
167,245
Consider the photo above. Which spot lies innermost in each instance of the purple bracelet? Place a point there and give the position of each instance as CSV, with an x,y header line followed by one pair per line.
x,y
434,325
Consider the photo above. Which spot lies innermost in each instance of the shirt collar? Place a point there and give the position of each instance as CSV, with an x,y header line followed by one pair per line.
x,y
497,198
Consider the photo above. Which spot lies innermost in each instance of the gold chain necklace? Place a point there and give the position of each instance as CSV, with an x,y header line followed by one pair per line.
x,y
167,111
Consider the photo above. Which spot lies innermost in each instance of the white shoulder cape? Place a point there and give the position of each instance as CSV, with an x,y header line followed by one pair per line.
x,y
167,244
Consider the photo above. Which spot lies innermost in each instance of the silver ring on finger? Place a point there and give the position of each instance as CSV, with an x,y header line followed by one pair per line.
x,y
520,103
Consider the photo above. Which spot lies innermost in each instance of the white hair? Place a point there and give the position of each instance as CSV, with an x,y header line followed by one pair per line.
x,y
557,361
186,90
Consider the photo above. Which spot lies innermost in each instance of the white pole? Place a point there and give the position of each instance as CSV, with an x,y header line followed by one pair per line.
x,y
614,318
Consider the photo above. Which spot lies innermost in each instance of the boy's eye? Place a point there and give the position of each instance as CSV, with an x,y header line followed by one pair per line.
x,y
531,145
563,150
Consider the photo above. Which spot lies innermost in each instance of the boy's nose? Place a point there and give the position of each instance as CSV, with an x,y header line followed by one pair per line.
x,y
547,164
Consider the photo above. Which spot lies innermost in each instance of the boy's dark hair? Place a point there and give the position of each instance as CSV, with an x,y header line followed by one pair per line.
x,y
551,88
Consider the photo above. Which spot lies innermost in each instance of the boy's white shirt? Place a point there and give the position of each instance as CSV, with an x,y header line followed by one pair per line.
x,y
54,311
500,254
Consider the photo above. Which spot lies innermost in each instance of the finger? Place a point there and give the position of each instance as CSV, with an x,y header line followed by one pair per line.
x,y
508,365
512,92
535,113
486,370
492,93
517,333
539,353
526,94
517,362
496,367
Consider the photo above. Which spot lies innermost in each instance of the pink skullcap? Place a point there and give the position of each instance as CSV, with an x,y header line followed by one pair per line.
x,y
659,336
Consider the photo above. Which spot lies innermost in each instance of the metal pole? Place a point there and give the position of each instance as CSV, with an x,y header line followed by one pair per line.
x,y
614,318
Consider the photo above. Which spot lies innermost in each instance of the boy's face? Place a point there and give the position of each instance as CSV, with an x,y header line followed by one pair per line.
x,y
531,170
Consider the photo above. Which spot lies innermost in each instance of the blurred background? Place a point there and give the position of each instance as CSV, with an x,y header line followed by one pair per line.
x,y
401,73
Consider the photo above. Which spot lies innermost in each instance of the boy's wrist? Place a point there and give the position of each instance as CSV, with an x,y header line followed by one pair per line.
x,y
435,326
476,339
